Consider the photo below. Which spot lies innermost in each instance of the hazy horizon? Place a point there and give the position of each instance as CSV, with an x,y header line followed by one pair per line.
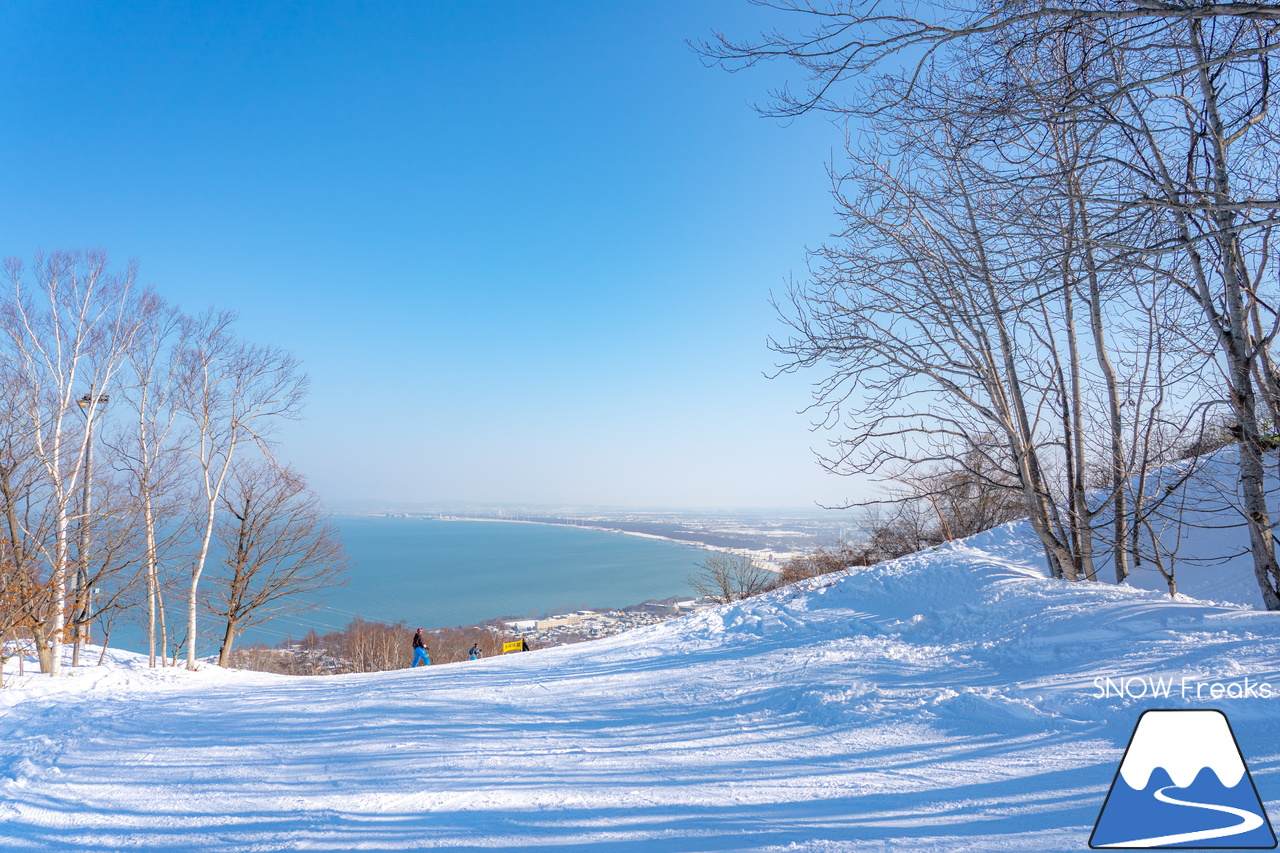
x,y
341,505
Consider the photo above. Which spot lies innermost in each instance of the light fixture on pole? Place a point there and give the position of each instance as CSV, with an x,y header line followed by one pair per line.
x,y
84,606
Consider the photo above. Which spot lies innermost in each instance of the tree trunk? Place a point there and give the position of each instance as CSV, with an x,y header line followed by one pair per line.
x,y
228,637
1240,349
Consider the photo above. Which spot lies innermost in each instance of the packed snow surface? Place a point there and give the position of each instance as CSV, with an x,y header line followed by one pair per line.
x,y
953,700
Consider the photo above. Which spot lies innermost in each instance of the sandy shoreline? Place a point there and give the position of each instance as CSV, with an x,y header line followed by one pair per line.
x,y
772,559
689,542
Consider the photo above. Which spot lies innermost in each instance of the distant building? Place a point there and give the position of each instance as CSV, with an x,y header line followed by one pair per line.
x,y
559,621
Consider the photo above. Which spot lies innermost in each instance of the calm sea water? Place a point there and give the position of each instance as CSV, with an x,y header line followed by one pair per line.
x,y
434,573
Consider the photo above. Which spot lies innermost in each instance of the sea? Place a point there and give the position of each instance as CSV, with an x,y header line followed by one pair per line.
x,y
434,573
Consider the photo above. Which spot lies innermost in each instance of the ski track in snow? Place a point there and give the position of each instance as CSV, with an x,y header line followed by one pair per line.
x,y
941,702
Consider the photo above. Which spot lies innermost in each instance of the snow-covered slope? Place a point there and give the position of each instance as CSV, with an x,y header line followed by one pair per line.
x,y
953,700
1201,528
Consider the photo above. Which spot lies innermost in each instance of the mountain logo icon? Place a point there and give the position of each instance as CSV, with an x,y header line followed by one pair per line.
x,y
1183,783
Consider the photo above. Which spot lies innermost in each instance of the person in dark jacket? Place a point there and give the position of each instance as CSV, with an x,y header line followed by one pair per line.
x,y
475,652
420,650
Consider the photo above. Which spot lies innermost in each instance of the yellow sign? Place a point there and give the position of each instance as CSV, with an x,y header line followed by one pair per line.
x,y
512,647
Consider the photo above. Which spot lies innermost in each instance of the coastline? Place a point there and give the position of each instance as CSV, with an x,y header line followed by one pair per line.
x,y
764,535
443,575
549,523
772,559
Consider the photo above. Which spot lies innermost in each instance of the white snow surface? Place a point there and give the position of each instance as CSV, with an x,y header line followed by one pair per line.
x,y
944,701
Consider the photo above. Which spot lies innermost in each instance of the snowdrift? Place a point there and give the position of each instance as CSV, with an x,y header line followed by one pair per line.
x,y
956,699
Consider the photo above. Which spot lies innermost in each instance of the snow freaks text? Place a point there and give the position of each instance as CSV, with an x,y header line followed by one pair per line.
x,y
1185,687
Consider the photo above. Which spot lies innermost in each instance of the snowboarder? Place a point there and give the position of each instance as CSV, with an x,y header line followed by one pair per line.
x,y
420,650
475,652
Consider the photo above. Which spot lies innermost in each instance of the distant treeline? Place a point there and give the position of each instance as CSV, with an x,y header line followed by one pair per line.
x,y
365,646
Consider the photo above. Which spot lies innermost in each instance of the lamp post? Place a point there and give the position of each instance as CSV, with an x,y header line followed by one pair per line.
x,y
84,605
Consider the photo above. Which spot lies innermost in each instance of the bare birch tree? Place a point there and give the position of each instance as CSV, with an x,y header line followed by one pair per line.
x,y
187,400
65,330
150,446
234,395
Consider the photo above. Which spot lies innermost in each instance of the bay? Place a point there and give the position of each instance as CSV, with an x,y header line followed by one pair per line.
x,y
437,573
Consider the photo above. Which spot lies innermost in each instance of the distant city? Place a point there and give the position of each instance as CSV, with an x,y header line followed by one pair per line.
x,y
582,625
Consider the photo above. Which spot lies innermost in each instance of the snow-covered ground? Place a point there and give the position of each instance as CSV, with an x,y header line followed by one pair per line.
x,y
946,701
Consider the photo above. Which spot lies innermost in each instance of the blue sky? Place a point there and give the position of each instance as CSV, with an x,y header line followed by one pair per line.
x,y
524,249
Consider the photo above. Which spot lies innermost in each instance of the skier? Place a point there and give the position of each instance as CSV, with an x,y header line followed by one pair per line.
x,y
420,650
475,652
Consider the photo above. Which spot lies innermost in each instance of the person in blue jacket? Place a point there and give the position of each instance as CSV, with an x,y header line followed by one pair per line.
x,y
420,650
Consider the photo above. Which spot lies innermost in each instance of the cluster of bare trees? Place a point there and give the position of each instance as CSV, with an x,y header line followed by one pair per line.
x,y
1053,268
725,576
135,461
367,646
825,560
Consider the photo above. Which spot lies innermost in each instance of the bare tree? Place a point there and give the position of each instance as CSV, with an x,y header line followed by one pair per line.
x,y
950,501
726,576
26,524
847,48
65,330
371,646
150,446
112,562
188,399
453,645
825,560
930,318
279,546
1211,176
1146,127
234,394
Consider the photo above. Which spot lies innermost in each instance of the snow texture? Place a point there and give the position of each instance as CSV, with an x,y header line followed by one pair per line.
x,y
954,700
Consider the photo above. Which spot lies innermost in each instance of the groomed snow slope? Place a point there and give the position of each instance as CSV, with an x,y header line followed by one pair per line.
x,y
945,701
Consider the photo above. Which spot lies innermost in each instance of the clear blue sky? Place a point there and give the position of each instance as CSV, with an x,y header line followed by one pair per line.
x,y
524,249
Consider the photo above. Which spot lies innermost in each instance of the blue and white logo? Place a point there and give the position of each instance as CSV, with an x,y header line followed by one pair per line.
x,y
1183,783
